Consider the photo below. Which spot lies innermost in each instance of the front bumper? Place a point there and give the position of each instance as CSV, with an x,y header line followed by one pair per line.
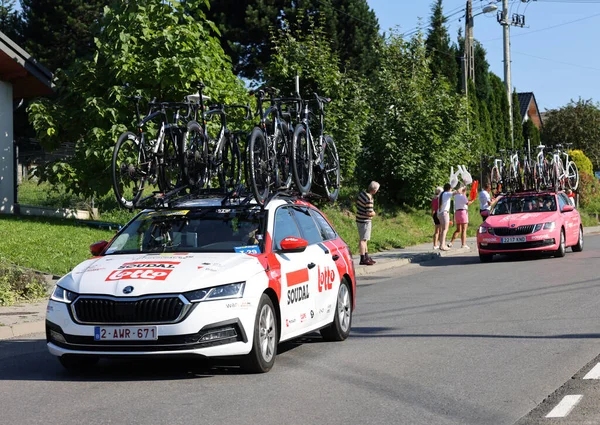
x,y
194,335
489,244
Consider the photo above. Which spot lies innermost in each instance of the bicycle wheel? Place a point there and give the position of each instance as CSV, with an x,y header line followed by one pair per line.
x,y
572,175
170,168
129,170
330,169
229,167
302,166
554,175
195,157
257,165
283,172
495,178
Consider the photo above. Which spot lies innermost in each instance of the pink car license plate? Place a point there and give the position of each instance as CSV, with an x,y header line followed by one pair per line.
x,y
513,239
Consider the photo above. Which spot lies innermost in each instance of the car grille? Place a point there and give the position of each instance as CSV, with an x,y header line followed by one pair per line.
x,y
144,310
511,231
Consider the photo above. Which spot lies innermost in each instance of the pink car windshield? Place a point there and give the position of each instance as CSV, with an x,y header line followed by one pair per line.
x,y
524,204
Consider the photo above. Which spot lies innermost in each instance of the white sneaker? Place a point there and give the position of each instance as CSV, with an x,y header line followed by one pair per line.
x,y
466,247
436,247
450,245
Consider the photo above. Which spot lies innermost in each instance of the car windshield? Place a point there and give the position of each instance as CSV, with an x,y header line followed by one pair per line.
x,y
230,229
524,204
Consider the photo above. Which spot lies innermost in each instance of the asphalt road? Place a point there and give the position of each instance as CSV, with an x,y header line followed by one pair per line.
x,y
451,341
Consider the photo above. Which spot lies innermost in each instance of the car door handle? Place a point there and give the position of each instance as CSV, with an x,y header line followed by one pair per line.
x,y
310,265
335,257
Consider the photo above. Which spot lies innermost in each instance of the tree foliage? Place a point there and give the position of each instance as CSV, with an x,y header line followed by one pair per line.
x,y
246,25
56,32
419,125
578,123
301,52
442,55
9,20
583,163
157,48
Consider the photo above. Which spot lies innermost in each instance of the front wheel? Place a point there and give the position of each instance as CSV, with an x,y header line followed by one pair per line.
x,y
579,246
130,170
572,176
301,160
562,249
264,343
171,167
339,329
330,169
258,165
283,173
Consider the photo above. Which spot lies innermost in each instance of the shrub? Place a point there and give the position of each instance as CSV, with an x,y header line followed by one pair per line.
x,y
17,284
584,164
589,190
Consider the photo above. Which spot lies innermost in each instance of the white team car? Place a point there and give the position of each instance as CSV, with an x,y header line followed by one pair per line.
x,y
207,277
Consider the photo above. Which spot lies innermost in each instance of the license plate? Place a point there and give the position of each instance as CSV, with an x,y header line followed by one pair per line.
x,y
513,239
125,333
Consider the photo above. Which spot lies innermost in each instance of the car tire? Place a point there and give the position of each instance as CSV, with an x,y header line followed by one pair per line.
x,y
486,258
561,250
579,246
264,343
339,329
75,363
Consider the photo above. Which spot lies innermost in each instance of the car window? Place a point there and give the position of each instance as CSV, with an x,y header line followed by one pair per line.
x,y
285,226
524,204
562,201
327,232
308,227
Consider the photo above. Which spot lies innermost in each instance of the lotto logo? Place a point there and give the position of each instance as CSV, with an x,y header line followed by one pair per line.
x,y
326,277
141,270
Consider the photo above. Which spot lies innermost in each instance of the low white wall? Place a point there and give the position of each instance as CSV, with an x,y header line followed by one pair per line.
x,y
7,153
57,212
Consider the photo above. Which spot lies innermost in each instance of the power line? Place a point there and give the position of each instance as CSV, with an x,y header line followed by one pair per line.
x,y
554,60
347,14
547,28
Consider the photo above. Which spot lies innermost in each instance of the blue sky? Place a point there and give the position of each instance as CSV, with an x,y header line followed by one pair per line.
x,y
557,64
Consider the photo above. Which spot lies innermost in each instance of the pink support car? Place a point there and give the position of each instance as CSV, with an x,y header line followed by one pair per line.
x,y
531,221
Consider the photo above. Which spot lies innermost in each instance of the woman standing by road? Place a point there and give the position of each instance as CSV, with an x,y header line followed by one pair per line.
x,y
444,214
436,220
461,216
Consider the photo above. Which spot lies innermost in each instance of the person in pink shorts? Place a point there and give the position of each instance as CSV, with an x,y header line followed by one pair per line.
x,y
461,216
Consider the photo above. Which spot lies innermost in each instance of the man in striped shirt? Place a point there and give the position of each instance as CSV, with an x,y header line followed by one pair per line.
x,y
364,213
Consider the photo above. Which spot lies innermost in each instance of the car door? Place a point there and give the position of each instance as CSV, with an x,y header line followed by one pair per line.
x,y
570,220
326,285
297,276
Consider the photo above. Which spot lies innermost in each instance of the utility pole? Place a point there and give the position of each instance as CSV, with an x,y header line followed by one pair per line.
x,y
506,26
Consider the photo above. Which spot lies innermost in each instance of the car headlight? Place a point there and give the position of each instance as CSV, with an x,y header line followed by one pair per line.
x,y
232,290
549,226
483,229
62,295
538,227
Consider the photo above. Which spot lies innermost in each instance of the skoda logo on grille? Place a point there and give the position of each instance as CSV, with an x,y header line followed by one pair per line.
x,y
512,225
128,290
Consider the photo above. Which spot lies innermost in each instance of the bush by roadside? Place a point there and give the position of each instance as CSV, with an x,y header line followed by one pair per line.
x,y
18,284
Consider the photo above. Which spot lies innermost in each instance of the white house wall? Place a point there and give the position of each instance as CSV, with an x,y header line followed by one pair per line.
x,y
7,153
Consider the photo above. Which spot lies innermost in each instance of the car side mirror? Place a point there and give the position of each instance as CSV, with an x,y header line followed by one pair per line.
x,y
293,244
567,208
97,248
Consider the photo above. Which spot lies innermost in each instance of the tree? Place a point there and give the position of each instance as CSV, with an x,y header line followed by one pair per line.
x,y
300,52
156,47
442,55
578,123
246,25
517,122
9,20
56,32
419,129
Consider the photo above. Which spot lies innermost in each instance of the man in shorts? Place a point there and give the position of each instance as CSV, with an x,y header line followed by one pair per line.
x,y
364,213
